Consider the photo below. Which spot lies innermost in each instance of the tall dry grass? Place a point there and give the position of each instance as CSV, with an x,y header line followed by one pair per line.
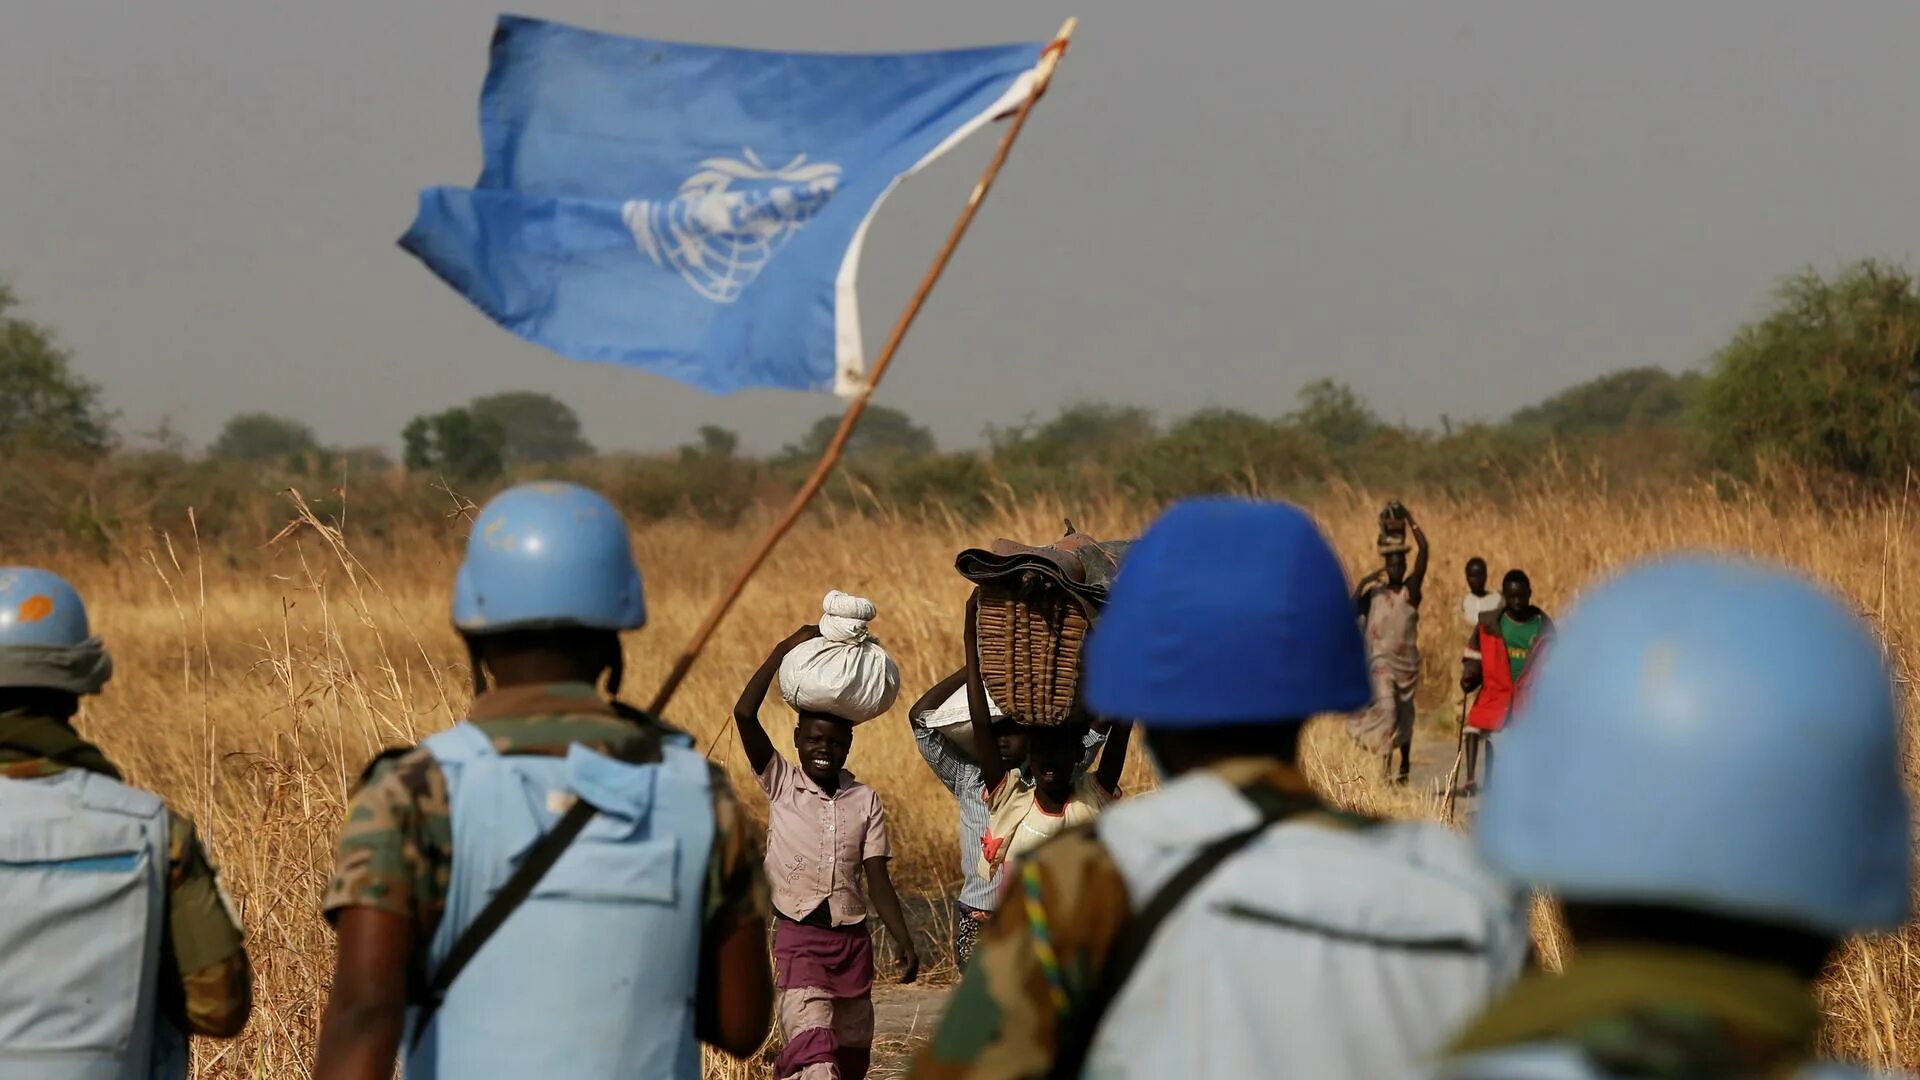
x,y
251,699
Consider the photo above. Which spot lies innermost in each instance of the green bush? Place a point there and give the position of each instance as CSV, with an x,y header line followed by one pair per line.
x,y
1827,381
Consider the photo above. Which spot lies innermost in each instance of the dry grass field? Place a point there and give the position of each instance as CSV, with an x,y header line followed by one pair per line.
x,y
251,698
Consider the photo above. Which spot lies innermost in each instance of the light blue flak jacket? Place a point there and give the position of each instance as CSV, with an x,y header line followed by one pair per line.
x,y
593,976
83,878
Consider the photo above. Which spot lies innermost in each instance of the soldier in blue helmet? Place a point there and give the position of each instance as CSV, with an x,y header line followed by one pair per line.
x,y
1231,923
648,933
116,940
1714,794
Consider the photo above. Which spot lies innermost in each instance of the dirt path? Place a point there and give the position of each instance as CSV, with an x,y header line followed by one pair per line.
x,y
904,1017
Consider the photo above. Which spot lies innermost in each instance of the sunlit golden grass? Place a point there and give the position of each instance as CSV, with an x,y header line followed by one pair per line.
x,y
250,699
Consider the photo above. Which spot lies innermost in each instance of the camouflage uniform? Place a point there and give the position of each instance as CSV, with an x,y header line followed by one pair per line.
x,y
1657,1013
397,846
206,984
1045,949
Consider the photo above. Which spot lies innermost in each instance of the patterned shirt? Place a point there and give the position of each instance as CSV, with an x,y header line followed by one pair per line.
x,y
961,775
817,843
1017,823
397,846
207,984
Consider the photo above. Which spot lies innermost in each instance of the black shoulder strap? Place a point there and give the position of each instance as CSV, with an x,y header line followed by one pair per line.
x,y
1079,1026
540,859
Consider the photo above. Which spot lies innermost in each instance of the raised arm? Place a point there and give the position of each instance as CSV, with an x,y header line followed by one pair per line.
x,y
1417,581
1361,589
986,749
1113,757
746,711
936,695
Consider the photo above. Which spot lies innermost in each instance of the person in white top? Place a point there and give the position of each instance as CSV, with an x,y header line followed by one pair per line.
x,y
1476,602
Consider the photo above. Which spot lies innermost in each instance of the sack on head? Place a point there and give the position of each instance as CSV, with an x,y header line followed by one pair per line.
x,y
844,672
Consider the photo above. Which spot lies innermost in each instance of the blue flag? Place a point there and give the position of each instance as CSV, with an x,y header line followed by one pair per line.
x,y
691,210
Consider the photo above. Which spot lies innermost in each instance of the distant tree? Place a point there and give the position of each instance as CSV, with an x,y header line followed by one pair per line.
x,y
1829,380
42,402
1636,398
455,443
538,429
1340,418
354,460
259,436
884,433
718,442
1222,450
1082,432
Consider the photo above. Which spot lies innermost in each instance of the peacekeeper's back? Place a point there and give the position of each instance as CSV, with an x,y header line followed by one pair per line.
x,y
83,867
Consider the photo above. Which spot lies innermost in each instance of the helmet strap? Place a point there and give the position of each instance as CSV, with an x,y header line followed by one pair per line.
x,y
479,669
616,669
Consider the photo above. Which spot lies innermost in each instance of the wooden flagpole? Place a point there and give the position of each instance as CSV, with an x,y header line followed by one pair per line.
x,y
1043,74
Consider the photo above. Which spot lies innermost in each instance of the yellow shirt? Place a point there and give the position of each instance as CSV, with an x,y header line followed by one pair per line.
x,y
1017,823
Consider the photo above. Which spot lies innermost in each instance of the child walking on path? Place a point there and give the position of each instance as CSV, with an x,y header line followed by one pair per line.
x,y
826,828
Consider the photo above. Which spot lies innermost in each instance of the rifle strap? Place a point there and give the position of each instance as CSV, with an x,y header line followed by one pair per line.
x,y
540,858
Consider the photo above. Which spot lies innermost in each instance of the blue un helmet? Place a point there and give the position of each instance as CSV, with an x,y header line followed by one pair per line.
x,y
1712,735
38,609
548,555
1227,612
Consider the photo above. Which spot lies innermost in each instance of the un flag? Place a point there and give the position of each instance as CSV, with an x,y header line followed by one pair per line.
x,y
692,210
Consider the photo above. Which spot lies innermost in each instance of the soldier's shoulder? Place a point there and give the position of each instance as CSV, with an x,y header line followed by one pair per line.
x,y
182,838
412,771
1075,869
399,788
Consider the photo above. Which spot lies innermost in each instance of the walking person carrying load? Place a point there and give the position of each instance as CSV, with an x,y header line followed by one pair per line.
x,y
943,733
1388,601
1703,906
116,939
479,937
827,831
1231,924
1026,623
1030,803
1497,663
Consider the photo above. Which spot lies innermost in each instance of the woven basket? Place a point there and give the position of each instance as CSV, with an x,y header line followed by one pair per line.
x,y
1030,651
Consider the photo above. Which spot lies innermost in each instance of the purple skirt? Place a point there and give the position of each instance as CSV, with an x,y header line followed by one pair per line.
x,y
838,960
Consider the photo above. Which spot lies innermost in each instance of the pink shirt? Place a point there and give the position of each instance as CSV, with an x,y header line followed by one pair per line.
x,y
816,841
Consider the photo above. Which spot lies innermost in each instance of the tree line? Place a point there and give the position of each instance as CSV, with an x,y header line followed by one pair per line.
x,y
1827,380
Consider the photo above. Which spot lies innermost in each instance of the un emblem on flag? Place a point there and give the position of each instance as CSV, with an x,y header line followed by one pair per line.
x,y
730,219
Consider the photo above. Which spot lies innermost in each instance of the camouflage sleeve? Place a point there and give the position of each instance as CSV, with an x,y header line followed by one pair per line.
x,y
1042,953
736,872
395,848
205,940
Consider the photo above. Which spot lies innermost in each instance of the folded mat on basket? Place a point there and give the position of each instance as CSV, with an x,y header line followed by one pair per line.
x,y
1076,564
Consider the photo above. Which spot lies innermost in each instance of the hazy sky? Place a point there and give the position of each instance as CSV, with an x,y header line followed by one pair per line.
x,y
1458,207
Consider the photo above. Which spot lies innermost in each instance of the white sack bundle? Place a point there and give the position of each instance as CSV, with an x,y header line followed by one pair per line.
x,y
952,718
844,672
954,712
